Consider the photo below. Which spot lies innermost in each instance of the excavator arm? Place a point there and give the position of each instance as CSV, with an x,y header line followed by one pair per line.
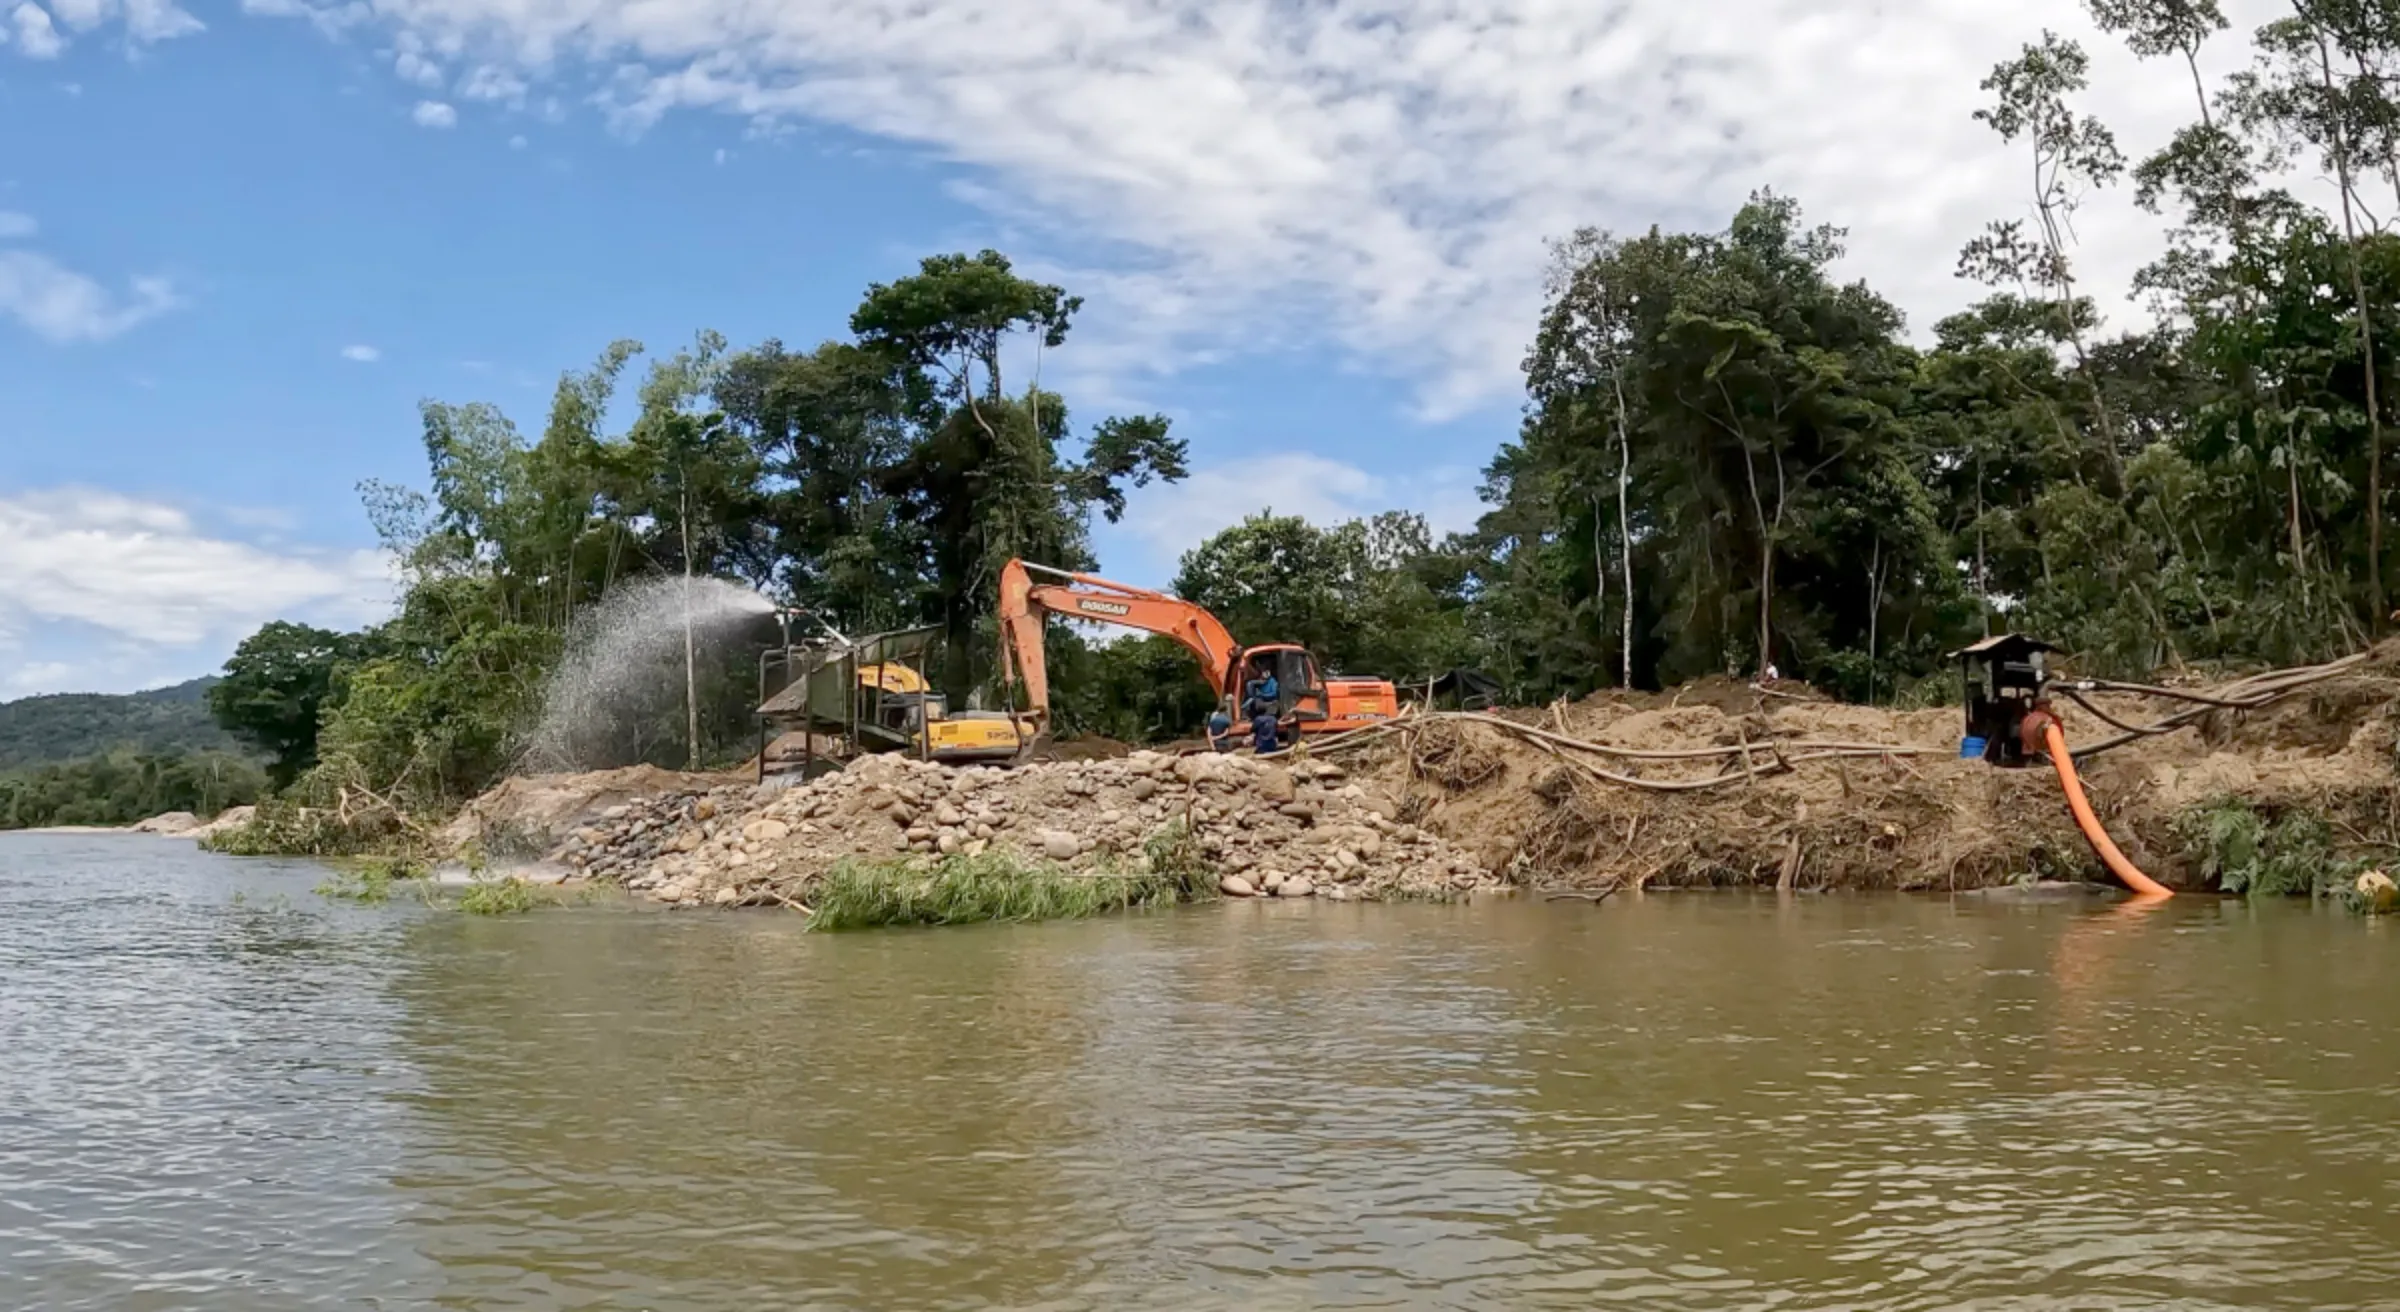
x,y
1026,602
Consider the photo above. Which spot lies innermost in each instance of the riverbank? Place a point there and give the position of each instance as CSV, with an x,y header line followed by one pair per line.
x,y
171,824
1715,785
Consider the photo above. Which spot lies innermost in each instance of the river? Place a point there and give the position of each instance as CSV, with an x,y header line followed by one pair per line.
x,y
219,1091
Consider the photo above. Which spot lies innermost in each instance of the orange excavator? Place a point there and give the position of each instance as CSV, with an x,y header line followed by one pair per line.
x,y
1308,701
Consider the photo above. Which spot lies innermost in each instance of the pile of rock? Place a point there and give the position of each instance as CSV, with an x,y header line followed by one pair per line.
x,y
1297,829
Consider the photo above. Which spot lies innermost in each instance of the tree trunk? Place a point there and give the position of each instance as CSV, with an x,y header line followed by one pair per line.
x,y
1600,577
1874,613
2366,343
1983,582
1625,532
2045,201
691,675
1766,561
2367,351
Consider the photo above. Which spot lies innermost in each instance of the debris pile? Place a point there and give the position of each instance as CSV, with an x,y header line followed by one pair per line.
x,y
1655,790
1291,829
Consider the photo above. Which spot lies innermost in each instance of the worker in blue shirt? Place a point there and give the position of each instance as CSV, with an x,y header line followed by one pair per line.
x,y
1220,730
1265,732
1263,695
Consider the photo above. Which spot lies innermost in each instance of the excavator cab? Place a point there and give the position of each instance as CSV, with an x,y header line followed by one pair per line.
x,y
1300,688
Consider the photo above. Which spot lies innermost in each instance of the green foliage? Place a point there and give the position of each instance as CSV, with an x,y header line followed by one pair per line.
x,y
368,881
1173,853
995,886
277,685
122,787
2247,851
68,726
1134,689
1369,596
504,896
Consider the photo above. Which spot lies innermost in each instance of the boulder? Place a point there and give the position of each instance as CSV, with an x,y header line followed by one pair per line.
x,y
765,831
2376,889
947,844
947,816
1144,788
1298,886
173,822
1236,886
1275,784
1058,845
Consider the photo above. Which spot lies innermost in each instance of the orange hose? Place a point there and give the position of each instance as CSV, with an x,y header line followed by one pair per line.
x,y
2089,823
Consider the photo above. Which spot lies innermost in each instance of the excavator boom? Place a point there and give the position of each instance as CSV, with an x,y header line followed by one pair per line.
x,y
1030,593
1024,603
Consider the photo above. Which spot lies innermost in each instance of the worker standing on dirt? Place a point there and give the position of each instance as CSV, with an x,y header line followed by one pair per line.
x,y
1265,733
2033,732
1220,730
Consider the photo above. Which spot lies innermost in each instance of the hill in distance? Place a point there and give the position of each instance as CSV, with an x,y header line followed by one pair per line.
x,y
64,726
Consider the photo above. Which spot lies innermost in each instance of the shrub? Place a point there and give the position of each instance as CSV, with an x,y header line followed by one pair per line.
x,y
961,890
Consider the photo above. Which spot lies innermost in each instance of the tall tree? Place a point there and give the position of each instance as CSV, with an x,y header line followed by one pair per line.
x,y
2071,154
983,479
277,687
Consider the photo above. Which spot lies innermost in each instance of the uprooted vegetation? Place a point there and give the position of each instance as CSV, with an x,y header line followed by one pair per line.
x,y
1650,791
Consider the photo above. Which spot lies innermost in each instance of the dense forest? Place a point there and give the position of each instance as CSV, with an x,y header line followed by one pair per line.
x,y
65,726
118,788
1729,457
90,759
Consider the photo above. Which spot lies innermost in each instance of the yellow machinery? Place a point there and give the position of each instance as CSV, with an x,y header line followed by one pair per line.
x,y
906,705
835,698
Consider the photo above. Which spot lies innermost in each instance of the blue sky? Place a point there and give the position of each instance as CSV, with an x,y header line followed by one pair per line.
x,y
240,241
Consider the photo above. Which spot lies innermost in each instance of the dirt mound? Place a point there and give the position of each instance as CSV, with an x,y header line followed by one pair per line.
x,y
172,822
528,813
1618,790
231,818
1271,825
1816,806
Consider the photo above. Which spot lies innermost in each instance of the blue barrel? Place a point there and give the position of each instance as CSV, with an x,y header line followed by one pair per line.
x,y
1970,748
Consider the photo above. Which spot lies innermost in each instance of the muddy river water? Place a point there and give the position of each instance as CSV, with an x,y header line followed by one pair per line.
x,y
218,1091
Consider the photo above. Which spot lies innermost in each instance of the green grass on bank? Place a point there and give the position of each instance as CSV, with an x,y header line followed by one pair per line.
x,y
1005,886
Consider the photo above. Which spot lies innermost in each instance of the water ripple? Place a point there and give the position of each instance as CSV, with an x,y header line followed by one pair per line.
x,y
217,1092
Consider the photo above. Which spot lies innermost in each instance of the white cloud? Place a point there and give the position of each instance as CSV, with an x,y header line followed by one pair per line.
x,y
434,114
1382,172
492,82
361,354
516,143
36,35
409,66
17,227
64,306
40,677
142,572
144,21
158,20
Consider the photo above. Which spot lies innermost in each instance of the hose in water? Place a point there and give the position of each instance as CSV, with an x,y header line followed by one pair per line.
x,y
2089,823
